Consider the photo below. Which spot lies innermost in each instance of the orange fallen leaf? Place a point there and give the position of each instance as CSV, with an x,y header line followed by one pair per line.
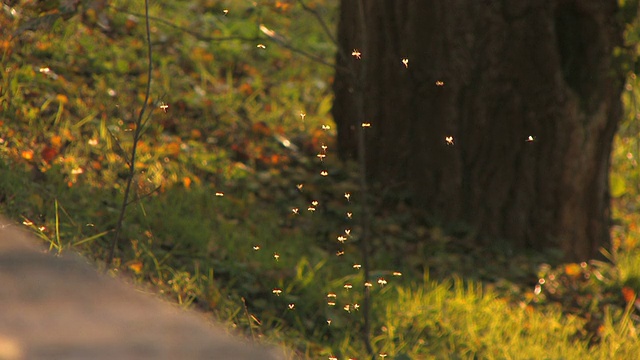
x,y
196,134
5,45
246,89
27,154
56,141
628,294
283,6
186,181
136,267
572,269
173,148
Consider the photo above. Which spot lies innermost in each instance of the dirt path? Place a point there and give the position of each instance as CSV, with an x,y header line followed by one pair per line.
x,y
61,308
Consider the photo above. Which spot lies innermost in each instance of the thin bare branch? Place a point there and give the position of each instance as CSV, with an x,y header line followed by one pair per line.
x,y
203,37
145,195
136,138
119,148
320,20
325,28
195,34
312,57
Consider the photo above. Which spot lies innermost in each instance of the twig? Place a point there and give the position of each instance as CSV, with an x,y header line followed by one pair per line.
x,y
305,54
202,37
136,137
195,34
246,312
119,147
320,21
145,195
326,29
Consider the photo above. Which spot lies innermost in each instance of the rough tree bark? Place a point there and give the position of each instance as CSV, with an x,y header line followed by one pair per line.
x,y
510,70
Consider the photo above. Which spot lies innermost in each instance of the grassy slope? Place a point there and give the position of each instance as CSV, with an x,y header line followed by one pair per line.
x,y
230,103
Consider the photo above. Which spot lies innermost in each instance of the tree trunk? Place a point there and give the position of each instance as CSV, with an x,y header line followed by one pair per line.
x,y
490,74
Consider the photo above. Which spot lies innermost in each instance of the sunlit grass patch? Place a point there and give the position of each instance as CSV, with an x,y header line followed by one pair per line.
x,y
454,319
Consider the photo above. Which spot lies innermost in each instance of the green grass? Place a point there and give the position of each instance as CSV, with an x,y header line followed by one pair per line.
x,y
63,136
